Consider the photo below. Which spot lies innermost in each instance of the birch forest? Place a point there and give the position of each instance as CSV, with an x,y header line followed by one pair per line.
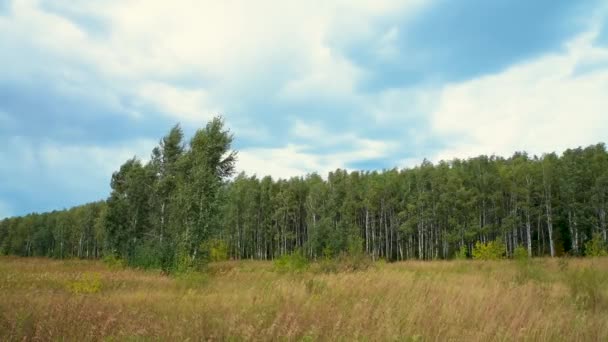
x,y
186,205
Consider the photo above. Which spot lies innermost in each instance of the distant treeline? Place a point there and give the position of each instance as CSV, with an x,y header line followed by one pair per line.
x,y
182,207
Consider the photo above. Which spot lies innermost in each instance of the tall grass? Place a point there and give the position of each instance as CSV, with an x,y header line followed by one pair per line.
x,y
439,300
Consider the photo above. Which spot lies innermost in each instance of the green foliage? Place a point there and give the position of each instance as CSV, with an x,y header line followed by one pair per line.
x,y
353,260
355,246
461,253
328,253
492,250
165,213
596,247
147,255
588,288
294,262
87,283
185,263
217,250
113,262
520,253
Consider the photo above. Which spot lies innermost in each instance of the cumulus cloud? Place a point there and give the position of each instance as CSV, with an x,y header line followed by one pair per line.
x,y
299,160
188,105
543,105
321,151
305,86
225,46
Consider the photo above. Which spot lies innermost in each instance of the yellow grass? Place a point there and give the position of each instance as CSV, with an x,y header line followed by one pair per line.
x,y
43,299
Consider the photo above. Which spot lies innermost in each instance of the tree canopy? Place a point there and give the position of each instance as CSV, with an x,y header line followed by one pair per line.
x,y
166,213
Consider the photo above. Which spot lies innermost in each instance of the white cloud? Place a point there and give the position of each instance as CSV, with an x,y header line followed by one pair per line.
x,y
542,105
191,105
402,105
316,134
286,48
297,160
283,162
231,46
327,75
339,150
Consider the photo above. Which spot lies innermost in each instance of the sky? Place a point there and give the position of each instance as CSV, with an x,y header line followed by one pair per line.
x,y
305,86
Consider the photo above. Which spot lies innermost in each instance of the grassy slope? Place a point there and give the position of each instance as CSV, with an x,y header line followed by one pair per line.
x,y
44,299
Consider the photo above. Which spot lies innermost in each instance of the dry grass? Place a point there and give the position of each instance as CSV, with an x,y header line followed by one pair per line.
x,y
457,300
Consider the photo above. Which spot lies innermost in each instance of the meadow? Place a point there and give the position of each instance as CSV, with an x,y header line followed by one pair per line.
x,y
541,299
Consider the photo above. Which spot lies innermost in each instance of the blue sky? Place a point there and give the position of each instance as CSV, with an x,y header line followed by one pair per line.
x,y
305,86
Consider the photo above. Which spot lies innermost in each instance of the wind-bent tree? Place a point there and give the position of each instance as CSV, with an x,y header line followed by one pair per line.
x,y
128,216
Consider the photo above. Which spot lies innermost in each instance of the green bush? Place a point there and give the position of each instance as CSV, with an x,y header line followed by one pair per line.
x,y
295,262
355,246
353,260
596,247
147,256
461,253
520,253
183,262
113,262
87,283
217,250
492,250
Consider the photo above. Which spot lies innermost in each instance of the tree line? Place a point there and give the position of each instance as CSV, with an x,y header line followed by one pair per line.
x,y
184,207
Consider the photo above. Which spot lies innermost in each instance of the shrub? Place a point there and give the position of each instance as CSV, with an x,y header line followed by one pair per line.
x,y
462,253
295,262
113,262
328,253
86,284
520,253
492,250
183,262
217,250
147,256
355,245
596,247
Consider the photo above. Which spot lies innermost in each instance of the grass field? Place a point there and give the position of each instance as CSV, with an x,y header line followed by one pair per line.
x,y
42,299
